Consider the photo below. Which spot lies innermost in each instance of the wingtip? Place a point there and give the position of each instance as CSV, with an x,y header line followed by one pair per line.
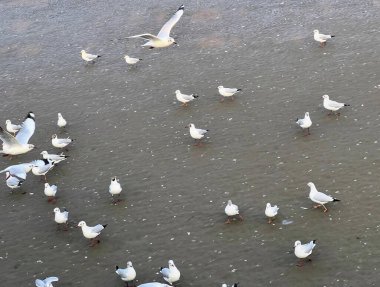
x,y
332,36
335,199
346,105
239,90
314,241
104,225
195,96
182,7
117,267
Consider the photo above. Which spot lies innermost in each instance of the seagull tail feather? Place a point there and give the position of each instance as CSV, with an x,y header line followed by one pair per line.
x,y
239,90
332,36
346,105
335,199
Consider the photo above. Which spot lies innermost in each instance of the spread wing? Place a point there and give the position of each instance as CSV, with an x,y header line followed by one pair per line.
x,y
40,283
49,280
165,30
145,36
26,131
7,138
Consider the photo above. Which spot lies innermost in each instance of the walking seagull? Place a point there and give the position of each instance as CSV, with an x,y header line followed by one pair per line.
x,y
196,134
61,217
163,38
228,92
115,189
332,106
88,57
184,99
319,197
91,232
127,274
271,212
321,38
231,210
303,250
305,123
170,274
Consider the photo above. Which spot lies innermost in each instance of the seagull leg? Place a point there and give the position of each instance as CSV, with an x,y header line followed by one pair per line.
x,y
316,206
66,226
300,263
222,99
308,131
232,98
325,209
228,221
45,177
241,217
270,221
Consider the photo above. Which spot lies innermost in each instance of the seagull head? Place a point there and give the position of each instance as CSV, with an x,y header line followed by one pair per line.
x,y
129,264
229,202
177,92
83,52
316,32
325,97
31,115
220,87
171,40
7,121
126,57
81,224
56,210
31,146
114,179
191,126
47,185
297,243
59,115
306,114
310,184
171,263
268,205
44,152
54,136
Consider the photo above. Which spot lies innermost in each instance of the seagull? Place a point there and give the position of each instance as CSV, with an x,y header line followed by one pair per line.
x,y
60,143
319,197
54,157
305,123
115,189
42,166
13,181
271,212
88,57
196,134
228,92
50,191
46,282
61,121
127,274
170,274
91,232
61,217
154,284
162,39
332,105
19,170
11,127
235,285
232,210
14,145
184,99
321,38
131,61
303,250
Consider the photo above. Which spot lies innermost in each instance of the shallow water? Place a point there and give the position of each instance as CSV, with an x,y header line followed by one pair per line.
x,y
127,123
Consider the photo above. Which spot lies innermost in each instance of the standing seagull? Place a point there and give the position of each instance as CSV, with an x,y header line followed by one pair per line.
x,y
46,282
42,166
61,217
163,38
196,134
19,144
11,127
88,57
232,210
60,143
54,157
127,274
235,285
321,38
50,191
184,99
305,123
170,274
332,106
61,121
227,92
115,189
91,232
303,250
271,212
131,61
319,197
13,181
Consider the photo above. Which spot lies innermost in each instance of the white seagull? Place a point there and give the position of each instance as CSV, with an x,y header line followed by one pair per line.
x,y
60,143
12,128
303,250
127,274
321,38
235,285
271,212
42,166
61,121
61,217
13,181
88,57
115,189
196,134
154,284
305,123
319,197
19,170
131,61
227,92
163,38
170,274
46,282
184,99
91,232
54,157
332,106
231,210
50,191
19,144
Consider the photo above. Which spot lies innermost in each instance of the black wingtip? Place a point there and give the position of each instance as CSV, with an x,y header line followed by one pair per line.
x,y
182,7
236,284
1,129
117,267
161,268
239,90
315,240
140,59
332,36
346,105
30,115
296,119
335,199
195,96
105,225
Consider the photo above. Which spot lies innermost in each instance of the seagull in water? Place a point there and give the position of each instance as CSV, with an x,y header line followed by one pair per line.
x,y
170,274
131,61
15,175
88,57
184,99
321,38
319,197
115,189
46,282
196,134
12,128
13,181
227,92
332,106
163,38
231,210
42,166
54,157
15,145
91,232
305,123
61,121
50,191
60,143
61,217
127,274
303,250
271,212
154,284
235,285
